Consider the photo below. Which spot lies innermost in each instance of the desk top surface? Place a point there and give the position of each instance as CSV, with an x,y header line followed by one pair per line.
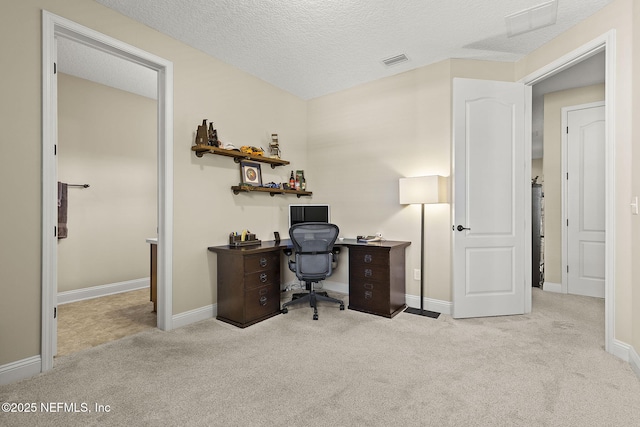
x,y
270,245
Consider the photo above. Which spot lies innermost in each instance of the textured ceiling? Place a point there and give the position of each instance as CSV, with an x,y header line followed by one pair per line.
x,y
315,47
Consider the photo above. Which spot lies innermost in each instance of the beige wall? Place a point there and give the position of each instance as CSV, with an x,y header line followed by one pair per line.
x,y
395,127
553,104
107,139
244,109
616,16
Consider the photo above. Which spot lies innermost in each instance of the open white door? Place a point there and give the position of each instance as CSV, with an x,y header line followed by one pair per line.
x,y
490,173
585,196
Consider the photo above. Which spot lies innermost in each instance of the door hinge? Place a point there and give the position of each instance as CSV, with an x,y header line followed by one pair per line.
x,y
55,312
55,231
55,68
567,268
567,129
567,175
567,223
55,149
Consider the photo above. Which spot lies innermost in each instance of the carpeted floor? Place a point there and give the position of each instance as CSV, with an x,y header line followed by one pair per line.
x,y
88,323
547,368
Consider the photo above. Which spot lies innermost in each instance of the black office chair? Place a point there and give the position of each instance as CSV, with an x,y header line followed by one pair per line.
x,y
312,242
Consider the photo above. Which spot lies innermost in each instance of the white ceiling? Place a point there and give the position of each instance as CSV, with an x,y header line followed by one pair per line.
x,y
315,47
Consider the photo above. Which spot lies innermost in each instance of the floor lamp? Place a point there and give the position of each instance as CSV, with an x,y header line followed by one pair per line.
x,y
423,190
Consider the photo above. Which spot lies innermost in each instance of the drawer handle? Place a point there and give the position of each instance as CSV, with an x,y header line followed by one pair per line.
x,y
263,300
368,258
263,277
263,262
368,295
368,286
368,272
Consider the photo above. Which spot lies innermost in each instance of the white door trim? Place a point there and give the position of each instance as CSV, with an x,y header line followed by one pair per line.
x,y
55,26
607,43
564,288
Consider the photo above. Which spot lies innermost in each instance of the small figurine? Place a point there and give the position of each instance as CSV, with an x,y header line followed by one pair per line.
x,y
213,136
201,134
274,147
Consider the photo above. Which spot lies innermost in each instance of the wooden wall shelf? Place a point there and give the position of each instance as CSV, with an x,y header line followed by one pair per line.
x,y
237,156
272,191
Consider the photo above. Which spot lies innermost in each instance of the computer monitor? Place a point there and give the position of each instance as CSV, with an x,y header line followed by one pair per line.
x,y
309,213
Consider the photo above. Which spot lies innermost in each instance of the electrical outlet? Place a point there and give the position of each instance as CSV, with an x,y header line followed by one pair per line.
x,y
416,274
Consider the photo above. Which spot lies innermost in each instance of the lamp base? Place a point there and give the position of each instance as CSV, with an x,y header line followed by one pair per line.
x,y
426,313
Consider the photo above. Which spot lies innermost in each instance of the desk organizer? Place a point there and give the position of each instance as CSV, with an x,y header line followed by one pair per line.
x,y
236,240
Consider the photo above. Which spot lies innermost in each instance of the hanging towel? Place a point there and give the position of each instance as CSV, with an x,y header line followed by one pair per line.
x,y
62,210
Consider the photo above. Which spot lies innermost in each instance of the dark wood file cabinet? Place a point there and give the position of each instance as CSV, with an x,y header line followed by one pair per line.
x,y
248,284
377,278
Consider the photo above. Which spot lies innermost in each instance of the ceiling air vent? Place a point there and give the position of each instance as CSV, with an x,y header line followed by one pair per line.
x,y
395,60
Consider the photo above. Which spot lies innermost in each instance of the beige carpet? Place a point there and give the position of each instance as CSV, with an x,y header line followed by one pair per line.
x,y
85,324
547,368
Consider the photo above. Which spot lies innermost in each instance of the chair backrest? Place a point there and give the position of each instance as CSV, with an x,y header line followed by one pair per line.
x,y
313,242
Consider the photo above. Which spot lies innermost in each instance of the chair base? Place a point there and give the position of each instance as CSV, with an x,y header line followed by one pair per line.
x,y
312,298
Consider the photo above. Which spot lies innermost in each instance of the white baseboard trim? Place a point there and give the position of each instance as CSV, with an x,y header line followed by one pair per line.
x,y
192,316
20,370
342,288
634,361
102,290
552,287
439,306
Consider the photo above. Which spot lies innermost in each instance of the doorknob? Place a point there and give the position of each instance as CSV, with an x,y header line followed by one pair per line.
x,y
460,228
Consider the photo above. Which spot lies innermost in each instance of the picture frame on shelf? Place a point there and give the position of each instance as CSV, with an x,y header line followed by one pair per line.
x,y
251,173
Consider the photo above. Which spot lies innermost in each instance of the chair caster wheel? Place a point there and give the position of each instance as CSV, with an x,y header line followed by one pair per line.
x,y
341,306
284,310
315,317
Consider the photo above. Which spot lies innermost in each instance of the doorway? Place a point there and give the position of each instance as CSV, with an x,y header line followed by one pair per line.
x,y
54,26
606,44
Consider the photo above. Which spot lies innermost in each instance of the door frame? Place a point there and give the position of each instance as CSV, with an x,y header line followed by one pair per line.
x,y
564,288
607,43
55,26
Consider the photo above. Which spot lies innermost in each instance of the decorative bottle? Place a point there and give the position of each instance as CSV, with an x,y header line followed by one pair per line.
x,y
303,182
292,182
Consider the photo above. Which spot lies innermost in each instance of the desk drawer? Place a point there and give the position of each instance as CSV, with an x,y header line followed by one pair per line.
x,y
261,262
373,257
370,296
260,278
260,302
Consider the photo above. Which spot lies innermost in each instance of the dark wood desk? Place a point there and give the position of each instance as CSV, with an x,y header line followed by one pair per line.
x,y
249,279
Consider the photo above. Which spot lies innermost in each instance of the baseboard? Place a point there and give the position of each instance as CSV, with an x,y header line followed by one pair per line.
x,y
439,306
192,316
20,370
342,288
552,287
634,361
102,290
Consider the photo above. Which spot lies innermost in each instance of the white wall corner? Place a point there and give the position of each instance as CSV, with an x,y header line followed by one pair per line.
x,y
552,287
20,370
193,316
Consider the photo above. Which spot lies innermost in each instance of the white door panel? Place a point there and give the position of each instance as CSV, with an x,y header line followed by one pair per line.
x,y
586,200
489,177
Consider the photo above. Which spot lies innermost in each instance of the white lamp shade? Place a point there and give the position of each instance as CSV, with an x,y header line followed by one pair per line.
x,y
423,190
